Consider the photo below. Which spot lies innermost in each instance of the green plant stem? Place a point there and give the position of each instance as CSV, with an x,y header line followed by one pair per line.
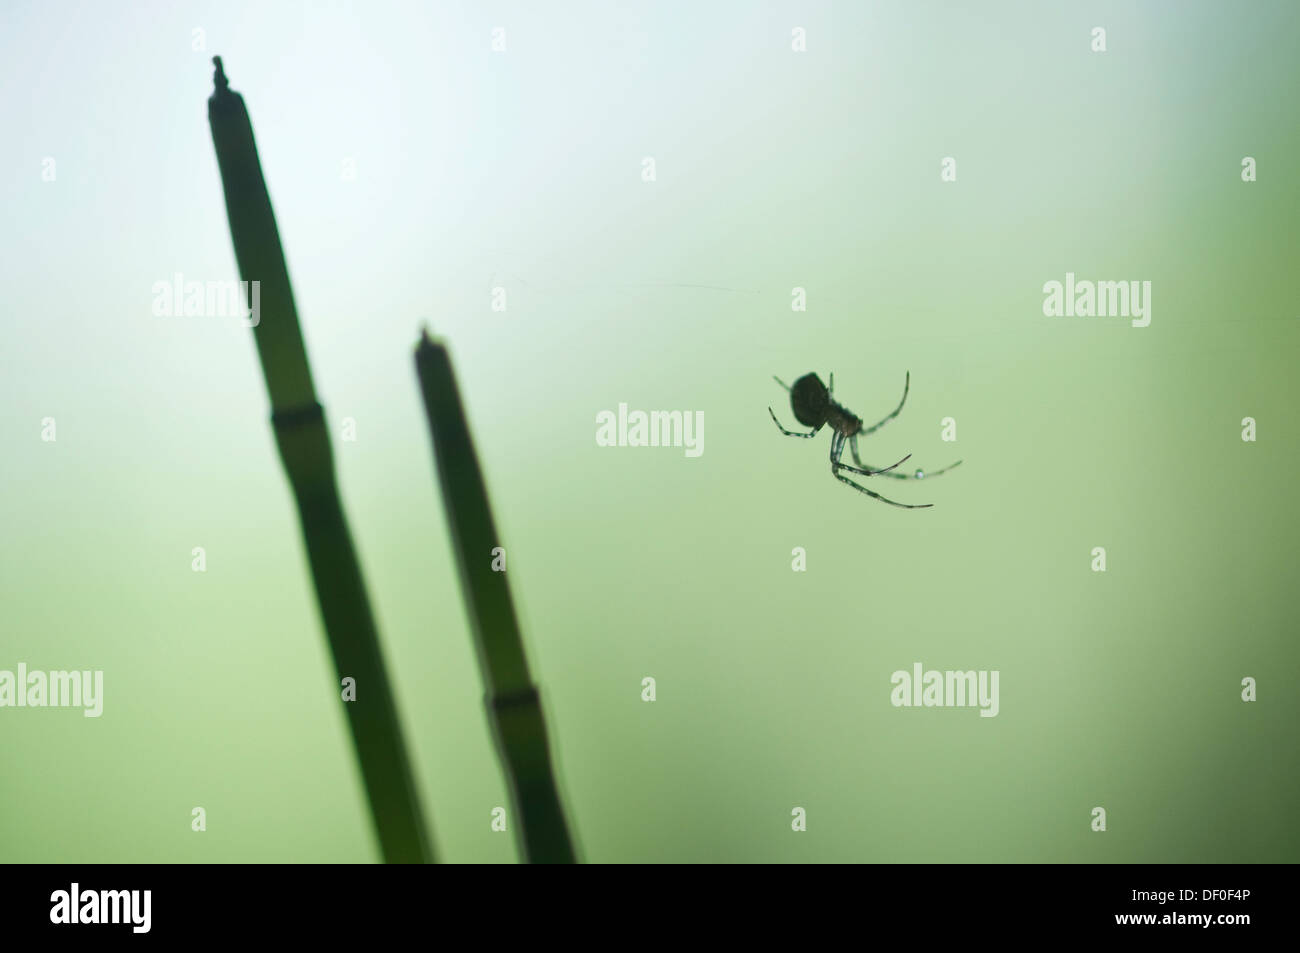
x,y
513,704
299,424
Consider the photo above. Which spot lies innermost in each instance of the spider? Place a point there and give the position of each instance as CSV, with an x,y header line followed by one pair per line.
x,y
814,406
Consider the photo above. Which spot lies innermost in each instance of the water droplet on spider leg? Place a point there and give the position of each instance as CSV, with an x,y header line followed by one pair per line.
x,y
919,474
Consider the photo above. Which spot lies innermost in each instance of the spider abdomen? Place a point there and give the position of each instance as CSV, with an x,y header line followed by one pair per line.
x,y
810,401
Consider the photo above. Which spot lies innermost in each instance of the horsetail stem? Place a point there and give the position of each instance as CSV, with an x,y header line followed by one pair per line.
x,y
513,704
299,424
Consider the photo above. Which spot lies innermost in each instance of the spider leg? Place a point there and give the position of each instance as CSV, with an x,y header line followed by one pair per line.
x,y
789,433
853,449
837,450
863,489
781,382
907,383
869,471
837,447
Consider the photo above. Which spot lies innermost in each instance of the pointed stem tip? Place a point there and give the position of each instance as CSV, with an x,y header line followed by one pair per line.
x,y
427,340
219,78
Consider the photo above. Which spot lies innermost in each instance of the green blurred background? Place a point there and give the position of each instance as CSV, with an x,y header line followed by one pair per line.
x,y
522,169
